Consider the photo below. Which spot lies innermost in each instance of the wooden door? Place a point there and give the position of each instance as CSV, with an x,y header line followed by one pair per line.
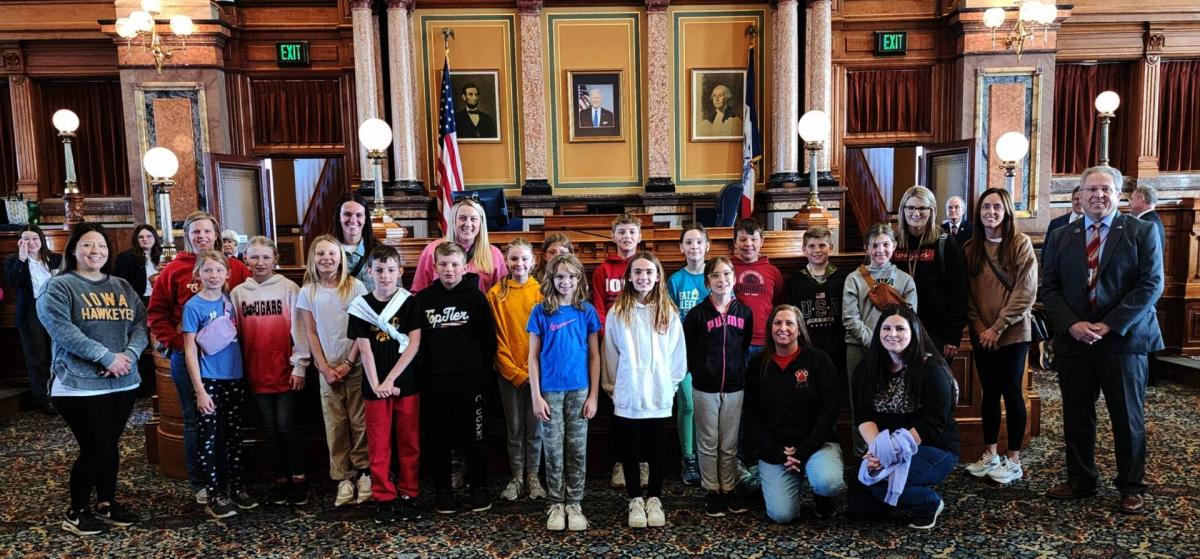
x,y
240,194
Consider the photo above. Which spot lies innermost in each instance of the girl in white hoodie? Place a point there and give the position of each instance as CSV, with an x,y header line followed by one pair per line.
x,y
644,361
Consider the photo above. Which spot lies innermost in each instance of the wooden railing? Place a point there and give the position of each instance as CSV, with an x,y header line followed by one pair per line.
x,y
320,214
863,193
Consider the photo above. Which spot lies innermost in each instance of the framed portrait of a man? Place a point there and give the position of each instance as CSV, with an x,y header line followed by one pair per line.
x,y
476,105
595,106
717,98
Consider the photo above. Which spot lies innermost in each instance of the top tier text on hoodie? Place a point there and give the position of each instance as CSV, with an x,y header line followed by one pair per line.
x,y
458,333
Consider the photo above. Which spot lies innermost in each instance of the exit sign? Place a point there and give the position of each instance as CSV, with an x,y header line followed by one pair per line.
x,y
889,43
291,53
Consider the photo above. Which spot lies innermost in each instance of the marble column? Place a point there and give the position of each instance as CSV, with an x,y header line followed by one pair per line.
x,y
366,78
659,96
533,99
819,68
24,134
404,115
785,63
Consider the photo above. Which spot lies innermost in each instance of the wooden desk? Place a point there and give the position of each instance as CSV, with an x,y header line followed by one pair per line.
x,y
591,222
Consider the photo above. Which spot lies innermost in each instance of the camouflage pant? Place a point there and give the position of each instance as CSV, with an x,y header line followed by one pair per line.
x,y
564,441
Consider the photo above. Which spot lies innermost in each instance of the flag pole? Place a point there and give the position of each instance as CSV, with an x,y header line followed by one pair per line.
x,y
447,35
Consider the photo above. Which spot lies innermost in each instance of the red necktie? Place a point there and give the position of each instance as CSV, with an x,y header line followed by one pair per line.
x,y
1093,260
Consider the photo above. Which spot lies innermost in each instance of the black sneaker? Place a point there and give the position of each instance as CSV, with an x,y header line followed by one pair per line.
x,y
83,523
219,506
406,509
384,513
714,504
823,506
480,500
927,521
298,494
243,500
115,514
735,503
443,502
278,493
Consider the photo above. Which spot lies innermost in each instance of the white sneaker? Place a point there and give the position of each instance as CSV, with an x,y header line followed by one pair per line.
x,y
512,491
654,513
576,521
202,496
556,522
364,488
985,464
644,474
1007,472
536,491
345,493
618,476
637,513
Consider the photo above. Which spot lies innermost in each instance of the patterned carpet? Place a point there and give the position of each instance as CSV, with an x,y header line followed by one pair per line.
x,y
980,520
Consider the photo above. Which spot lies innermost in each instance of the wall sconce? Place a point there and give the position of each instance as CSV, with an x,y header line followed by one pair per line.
x,y
67,122
1106,105
814,127
375,135
161,164
1030,13
141,23
1011,148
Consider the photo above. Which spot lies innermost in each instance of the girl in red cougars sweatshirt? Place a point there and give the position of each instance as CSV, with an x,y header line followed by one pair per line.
x,y
173,287
274,358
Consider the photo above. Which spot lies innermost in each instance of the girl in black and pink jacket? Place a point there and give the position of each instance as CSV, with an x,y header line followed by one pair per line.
x,y
718,332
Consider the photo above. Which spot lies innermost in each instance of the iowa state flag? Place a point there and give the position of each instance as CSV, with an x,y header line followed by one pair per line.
x,y
751,142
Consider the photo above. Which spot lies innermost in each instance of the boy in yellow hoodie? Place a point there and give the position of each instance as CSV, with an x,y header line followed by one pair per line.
x,y
512,301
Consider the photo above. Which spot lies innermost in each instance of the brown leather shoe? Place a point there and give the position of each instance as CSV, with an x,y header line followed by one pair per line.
x,y
1071,490
1133,503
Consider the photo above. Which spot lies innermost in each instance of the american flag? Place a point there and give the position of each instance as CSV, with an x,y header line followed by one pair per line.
x,y
449,169
752,142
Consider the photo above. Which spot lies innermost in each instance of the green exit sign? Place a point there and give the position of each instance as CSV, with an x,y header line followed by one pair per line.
x,y
889,43
291,53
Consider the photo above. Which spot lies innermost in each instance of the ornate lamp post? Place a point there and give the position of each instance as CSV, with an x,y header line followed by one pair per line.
x,y
1011,148
67,122
814,129
161,164
1106,107
375,135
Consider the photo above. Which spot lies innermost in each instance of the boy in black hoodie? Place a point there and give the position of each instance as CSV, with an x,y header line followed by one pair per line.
x,y
458,345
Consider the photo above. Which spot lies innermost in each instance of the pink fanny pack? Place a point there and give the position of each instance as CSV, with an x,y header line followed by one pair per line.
x,y
218,334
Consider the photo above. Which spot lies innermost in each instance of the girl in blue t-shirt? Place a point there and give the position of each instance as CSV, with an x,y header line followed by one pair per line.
x,y
687,288
214,363
563,344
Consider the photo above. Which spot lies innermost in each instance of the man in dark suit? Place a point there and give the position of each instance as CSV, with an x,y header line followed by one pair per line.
x,y
595,116
1141,205
1101,277
472,122
957,225
1076,213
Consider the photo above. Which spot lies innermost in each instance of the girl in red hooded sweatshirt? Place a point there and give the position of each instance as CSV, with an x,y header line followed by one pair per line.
x,y
274,358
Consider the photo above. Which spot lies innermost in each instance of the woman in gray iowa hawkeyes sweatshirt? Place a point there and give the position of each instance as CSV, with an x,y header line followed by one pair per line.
x,y
90,322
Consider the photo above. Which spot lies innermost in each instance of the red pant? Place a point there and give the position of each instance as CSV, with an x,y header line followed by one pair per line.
x,y
394,421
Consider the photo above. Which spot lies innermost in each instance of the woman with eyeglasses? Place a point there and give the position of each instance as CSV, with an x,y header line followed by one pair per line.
x,y
936,262
468,229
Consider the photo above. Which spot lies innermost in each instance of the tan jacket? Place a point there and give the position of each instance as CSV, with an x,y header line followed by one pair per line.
x,y
991,304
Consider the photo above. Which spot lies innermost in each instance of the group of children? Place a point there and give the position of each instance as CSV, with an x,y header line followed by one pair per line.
x,y
669,344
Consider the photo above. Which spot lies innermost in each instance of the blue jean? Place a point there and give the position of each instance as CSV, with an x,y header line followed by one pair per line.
x,y
783,489
928,468
187,402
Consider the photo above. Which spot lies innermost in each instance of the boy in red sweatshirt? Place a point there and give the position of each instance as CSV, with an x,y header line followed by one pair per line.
x,y
609,278
759,283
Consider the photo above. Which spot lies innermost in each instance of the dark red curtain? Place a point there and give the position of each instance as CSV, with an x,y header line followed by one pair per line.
x,y
296,111
100,164
8,144
889,100
1179,106
1076,127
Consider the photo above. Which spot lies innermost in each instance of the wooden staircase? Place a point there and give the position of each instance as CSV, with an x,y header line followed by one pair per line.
x,y
321,215
866,203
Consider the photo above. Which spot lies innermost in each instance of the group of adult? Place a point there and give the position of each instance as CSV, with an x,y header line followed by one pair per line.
x,y
1101,276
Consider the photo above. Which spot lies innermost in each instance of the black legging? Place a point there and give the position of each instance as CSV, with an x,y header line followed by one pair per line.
x,y
1000,374
97,423
641,440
